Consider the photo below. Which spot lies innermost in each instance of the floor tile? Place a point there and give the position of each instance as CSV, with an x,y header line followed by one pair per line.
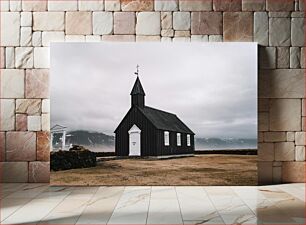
x,y
32,212
29,191
164,206
9,188
195,204
43,204
296,191
9,206
69,210
132,207
100,208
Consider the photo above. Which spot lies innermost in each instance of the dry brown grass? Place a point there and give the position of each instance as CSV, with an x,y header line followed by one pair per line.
x,y
197,170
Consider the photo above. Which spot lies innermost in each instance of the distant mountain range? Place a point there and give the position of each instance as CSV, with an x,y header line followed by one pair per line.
x,y
101,142
225,143
94,141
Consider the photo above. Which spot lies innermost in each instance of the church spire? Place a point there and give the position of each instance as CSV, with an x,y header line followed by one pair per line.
x,y
137,93
137,88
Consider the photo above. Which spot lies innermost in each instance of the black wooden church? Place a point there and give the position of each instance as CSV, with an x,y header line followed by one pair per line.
x,y
145,131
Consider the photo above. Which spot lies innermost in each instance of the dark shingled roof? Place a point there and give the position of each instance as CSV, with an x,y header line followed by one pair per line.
x,y
137,88
164,121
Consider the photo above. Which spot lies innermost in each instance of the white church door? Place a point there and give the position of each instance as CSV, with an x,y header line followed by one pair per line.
x,y
134,141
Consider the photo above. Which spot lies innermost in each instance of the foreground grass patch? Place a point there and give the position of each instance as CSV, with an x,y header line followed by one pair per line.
x,y
197,170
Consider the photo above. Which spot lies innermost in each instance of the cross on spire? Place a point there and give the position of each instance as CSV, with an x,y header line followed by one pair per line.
x,y
137,70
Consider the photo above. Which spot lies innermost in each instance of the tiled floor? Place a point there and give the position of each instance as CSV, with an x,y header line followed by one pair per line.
x,y
41,204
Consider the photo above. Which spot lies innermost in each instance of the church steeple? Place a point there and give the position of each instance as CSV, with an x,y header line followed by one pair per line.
x,y
138,94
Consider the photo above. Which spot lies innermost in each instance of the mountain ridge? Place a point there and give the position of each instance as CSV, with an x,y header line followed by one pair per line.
x,y
96,139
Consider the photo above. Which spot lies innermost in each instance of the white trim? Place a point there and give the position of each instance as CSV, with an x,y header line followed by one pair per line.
x,y
134,141
188,140
166,138
134,129
178,139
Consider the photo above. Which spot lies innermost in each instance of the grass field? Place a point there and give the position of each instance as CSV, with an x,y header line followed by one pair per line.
x,y
197,170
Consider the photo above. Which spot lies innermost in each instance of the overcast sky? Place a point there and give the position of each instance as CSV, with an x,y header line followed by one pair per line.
x,y
212,87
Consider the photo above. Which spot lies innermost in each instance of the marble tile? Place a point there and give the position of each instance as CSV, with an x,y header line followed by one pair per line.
x,y
20,146
48,21
34,5
293,172
54,193
230,207
294,208
248,192
7,114
43,146
163,192
278,204
9,188
210,219
297,192
238,214
124,22
100,208
45,108
148,23
164,207
37,83
164,212
102,23
272,214
8,191
21,122
132,207
206,23
32,212
68,211
9,206
29,191
39,172
42,58
34,123
195,204
10,26
12,83
137,5
78,23
2,146
81,193
281,83
219,190
255,204
227,5
203,5
238,26
45,122
274,194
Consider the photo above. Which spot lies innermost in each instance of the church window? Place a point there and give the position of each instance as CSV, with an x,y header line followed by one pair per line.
x,y
166,138
178,139
188,140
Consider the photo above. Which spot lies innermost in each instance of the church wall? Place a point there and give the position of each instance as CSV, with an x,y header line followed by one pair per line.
x,y
173,149
148,134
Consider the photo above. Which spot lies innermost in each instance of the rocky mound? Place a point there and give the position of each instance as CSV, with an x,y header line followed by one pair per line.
x,y
76,157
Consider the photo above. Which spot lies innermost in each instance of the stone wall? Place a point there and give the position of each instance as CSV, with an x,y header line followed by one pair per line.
x,y
27,28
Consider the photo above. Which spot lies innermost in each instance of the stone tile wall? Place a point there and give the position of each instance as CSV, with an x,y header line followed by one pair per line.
x,y
28,27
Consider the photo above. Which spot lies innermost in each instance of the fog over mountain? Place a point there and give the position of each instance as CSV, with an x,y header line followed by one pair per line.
x,y
100,142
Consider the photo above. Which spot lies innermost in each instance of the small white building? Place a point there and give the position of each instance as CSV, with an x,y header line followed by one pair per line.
x,y
59,129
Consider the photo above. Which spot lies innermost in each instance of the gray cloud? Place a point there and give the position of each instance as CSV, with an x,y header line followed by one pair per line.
x,y
211,87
